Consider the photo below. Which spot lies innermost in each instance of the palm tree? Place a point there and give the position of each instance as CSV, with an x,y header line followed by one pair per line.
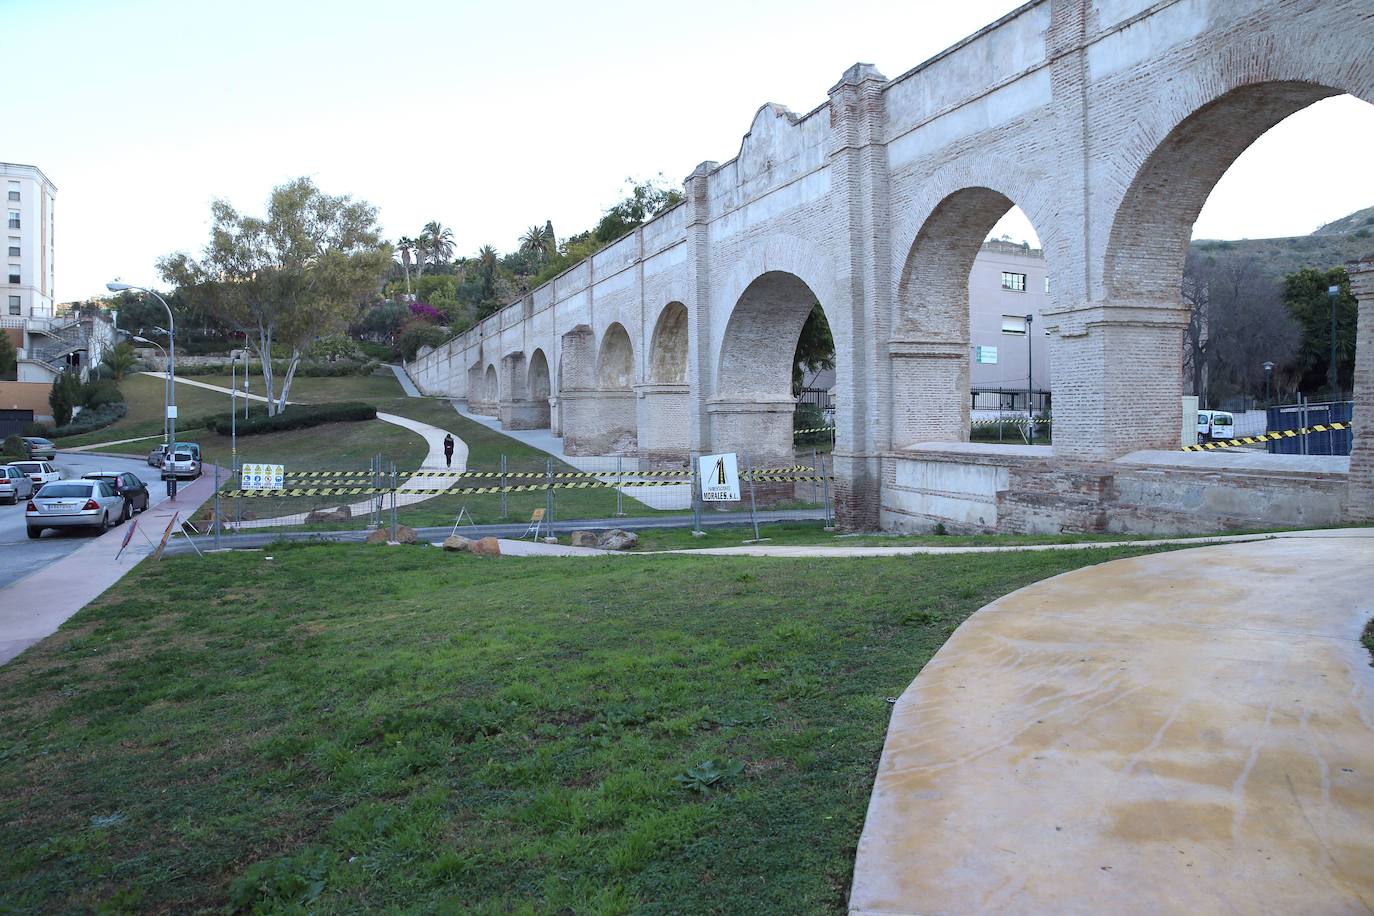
x,y
538,239
405,245
438,241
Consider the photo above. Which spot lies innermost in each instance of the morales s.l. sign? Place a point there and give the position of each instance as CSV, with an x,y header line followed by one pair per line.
x,y
719,478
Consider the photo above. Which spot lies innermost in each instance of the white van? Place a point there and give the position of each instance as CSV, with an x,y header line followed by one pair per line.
x,y
1214,425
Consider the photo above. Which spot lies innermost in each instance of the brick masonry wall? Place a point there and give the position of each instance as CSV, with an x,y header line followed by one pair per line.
x,y
1108,124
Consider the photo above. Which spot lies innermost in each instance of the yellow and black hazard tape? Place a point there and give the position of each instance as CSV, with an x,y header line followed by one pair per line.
x,y
682,474
1267,437
818,429
1011,421
290,492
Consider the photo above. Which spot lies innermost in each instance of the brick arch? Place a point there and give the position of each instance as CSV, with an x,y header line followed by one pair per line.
x,y
615,362
668,346
1179,146
539,384
491,384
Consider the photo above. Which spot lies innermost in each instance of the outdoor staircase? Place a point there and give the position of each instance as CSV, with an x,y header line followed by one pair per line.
x,y
64,339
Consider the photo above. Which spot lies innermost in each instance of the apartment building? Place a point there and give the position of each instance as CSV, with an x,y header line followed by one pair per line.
x,y
29,265
1009,282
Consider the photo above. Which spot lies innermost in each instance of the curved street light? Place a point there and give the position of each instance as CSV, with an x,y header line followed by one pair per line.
x,y
117,286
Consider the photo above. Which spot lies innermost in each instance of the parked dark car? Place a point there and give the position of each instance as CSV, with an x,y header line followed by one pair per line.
x,y
129,486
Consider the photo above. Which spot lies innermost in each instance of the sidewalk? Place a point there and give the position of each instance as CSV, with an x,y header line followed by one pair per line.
x,y
36,605
1185,732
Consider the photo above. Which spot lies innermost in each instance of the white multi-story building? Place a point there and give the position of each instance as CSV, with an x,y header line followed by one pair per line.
x,y
48,343
29,265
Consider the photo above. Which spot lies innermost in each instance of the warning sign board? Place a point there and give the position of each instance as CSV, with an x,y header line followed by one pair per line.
x,y
719,478
264,476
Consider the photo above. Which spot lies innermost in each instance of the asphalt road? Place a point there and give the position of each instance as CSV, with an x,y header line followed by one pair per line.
x,y
20,556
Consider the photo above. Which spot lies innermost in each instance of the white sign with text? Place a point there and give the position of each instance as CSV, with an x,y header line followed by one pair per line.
x,y
264,476
719,478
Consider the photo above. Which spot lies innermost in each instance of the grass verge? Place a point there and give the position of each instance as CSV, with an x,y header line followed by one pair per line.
x,y
657,735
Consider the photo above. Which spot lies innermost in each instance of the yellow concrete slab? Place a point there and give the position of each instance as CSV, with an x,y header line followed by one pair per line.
x,y
1189,732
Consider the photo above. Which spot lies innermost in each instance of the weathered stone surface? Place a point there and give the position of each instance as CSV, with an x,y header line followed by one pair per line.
x,y
405,535
616,539
457,543
875,205
486,547
376,537
583,539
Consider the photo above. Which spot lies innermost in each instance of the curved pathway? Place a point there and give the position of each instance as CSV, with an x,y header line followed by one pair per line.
x,y
433,460
1182,732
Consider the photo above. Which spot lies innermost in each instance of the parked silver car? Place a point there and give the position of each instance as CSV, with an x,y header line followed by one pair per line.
x,y
40,448
183,464
14,485
74,504
156,455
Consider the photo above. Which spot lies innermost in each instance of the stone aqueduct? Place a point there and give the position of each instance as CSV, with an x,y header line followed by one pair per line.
x,y
1107,121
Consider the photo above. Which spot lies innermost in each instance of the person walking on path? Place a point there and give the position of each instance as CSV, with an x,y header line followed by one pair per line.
x,y
448,449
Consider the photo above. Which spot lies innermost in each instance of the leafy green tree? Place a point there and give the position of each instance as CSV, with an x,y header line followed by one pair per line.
x,y
63,397
406,246
118,360
9,358
646,199
538,240
420,334
382,321
1305,294
438,242
302,271
815,349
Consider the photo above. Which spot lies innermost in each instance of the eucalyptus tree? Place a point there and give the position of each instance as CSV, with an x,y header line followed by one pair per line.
x,y
303,270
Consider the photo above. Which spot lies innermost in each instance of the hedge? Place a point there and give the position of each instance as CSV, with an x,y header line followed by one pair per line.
x,y
92,418
336,369
297,416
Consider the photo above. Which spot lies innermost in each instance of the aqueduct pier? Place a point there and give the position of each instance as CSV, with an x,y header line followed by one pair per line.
x,y
1108,122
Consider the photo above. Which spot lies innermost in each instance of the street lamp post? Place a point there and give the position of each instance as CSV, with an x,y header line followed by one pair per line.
x,y
166,381
116,286
1331,293
1030,379
1268,383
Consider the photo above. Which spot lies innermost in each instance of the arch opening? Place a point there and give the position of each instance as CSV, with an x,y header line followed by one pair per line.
x,y
668,349
615,363
968,354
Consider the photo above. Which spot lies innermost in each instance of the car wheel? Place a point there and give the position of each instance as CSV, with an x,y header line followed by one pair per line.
x,y
35,533
104,523
127,512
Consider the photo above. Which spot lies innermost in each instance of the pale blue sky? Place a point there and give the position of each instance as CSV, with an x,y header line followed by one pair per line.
x,y
485,116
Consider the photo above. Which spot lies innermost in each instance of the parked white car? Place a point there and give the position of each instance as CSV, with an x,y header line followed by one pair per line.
x,y
14,485
183,464
74,504
40,472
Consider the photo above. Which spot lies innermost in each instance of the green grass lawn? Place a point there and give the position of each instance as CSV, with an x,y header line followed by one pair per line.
x,y
146,399
312,390
456,734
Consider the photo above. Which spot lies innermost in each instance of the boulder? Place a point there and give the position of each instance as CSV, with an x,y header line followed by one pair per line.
x,y
583,539
248,515
341,514
487,547
457,544
376,537
616,539
405,535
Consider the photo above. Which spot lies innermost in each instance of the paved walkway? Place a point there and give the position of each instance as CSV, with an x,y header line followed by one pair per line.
x,y
404,380
103,445
433,460
1187,732
36,605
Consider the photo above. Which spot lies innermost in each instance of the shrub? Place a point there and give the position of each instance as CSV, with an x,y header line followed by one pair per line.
x,y
119,361
14,447
99,392
297,416
378,352
93,418
64,397
336,347
418,335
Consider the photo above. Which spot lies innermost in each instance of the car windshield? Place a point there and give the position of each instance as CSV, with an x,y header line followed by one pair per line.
x,y
64,490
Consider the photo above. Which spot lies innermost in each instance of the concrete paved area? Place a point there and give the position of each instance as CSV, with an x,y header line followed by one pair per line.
x,y
404,381
20,557
1188,732
35,606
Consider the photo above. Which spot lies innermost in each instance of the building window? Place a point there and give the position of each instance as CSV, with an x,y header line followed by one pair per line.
x,y
1015,282
14,305
14,219
14,251
14,274
1014,324
14,190
1047,284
